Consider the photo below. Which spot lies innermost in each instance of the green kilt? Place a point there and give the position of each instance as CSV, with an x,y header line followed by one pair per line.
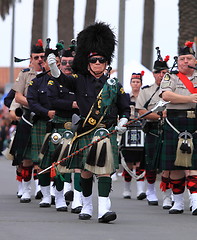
x,y
152,148
37,136
79,160
170,142
48,157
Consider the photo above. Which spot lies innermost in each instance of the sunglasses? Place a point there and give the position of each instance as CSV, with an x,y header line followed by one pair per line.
x,y
95,59
37,57
65,62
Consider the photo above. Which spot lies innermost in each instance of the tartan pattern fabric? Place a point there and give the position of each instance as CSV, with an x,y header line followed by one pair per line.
x,y
178,185
26,173
192,183
152,147
138,172
48,160
109,94
37,136
168,154
79,160
126,176
165,184
151,176
18,176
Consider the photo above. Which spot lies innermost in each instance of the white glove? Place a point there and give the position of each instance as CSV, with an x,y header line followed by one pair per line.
x,y
120,127
51,59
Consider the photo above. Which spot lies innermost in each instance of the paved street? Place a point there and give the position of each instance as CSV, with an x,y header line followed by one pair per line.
x,y
136,220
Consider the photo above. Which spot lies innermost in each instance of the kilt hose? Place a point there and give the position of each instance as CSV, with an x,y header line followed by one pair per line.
x,y
79,160
152,149
170,142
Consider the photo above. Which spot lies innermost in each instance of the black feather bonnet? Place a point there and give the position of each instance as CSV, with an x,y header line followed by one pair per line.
x,y
96,39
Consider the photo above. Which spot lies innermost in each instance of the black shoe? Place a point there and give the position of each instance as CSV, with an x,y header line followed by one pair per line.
x,y
45,205
166,207
153,203
39,195
76,210
52,200
25,200
141,196
84,216
62,209
194,212
69,196
107,217
127,197
175,211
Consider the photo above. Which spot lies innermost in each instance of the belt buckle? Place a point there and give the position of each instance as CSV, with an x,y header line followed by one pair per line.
x,y
67,125
191,114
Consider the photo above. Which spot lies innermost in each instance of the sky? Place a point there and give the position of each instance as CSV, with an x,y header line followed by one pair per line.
x,y
165,29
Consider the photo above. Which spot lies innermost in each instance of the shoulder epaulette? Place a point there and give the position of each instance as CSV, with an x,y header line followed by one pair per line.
x,y
146,86
26,70
174,72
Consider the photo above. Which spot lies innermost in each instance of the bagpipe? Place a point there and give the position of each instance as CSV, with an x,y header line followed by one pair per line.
x,y
160,106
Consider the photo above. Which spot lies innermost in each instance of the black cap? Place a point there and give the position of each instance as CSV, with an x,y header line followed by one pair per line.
x,y
70,52
187,49
160,65
38,47
137,75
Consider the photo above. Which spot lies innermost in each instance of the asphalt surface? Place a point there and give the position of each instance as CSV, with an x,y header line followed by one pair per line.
x,y
136,220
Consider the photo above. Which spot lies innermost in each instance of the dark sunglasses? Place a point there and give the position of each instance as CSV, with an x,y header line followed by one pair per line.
x,y
37,57
95,59
70,62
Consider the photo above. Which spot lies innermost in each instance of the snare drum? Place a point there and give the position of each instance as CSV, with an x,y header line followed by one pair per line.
x,y
133,138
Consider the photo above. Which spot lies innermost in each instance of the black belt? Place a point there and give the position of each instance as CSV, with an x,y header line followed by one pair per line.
x,y
190,113
66,125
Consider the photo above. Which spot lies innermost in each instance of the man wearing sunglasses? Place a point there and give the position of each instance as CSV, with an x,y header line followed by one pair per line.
x,y
101,101
67,61
24,166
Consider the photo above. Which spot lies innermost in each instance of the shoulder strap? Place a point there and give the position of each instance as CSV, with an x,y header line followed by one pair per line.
x,y
189,85
146,104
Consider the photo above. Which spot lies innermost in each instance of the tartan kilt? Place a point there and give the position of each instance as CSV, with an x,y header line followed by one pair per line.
x,y
48,157
170,142
37,136
152,148
20,142
79,160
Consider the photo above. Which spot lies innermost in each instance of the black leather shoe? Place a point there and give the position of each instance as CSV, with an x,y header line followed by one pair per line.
x,y
141,196
84,216
153,203
39,195
76,210
166,207
127,197
175,211
62,209
25,200
45,205
107,217
194,212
